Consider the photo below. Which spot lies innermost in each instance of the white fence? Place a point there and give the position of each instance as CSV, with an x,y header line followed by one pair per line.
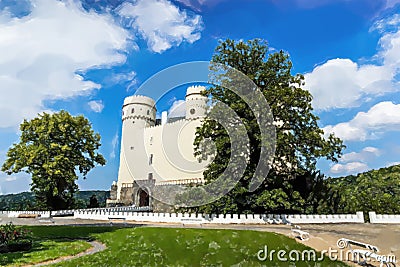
x,y
59,213
336,218
187,218
140,214
14,214
383,218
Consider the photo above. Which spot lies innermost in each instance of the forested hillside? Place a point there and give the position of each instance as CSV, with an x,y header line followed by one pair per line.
x,y
375,190
26,200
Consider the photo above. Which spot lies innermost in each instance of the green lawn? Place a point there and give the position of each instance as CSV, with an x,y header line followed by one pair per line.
x,y
43,251
144,246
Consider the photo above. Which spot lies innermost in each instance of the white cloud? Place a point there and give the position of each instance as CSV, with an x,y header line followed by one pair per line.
x,y
15,183
45,49
383,25
352,167
10,178
96,105
393,163
365,155
161,23
343,83
382,117
114,143
356,162
128,79
391,3
178,109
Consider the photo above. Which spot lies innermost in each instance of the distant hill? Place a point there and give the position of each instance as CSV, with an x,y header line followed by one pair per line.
x,y
26,200
374,190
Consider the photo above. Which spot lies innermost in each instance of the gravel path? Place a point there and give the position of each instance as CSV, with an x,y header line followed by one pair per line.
x,y
96,247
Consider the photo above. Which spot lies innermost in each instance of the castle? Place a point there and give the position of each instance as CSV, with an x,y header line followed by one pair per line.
x,y
157,152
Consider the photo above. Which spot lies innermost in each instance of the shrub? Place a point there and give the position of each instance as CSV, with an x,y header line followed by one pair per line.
x,y
14,238
19,245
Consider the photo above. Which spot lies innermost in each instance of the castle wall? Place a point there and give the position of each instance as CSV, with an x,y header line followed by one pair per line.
x,y
162,153
171,148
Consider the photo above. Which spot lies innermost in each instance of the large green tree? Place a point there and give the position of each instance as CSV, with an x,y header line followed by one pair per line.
x,y
299,140
55,149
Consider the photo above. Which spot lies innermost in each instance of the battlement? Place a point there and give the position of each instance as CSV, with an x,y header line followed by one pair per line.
x,y
195,90
139,107
139,99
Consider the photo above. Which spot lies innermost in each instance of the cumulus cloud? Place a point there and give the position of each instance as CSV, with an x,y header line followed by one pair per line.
x,y
382,117
348,168
343,83
355,162
178,109
365,155
161,23
393,163
44,50
96,105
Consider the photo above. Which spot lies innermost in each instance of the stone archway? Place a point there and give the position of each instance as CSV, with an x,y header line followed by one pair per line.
x,y
143,197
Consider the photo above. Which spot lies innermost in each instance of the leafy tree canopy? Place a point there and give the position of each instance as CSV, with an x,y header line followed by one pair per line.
x,y
299,140
55,149
375,190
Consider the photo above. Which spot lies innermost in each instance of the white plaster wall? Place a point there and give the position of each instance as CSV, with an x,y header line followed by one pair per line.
x,y
172,148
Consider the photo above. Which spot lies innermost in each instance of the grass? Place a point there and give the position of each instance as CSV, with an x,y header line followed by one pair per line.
x,y
190,247
145,246
51,243
44,251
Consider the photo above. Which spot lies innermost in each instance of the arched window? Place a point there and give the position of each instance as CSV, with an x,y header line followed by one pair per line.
x,y
148,112
133,110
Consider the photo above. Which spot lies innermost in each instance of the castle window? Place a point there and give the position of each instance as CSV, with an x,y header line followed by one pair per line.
x,y
150,175
151,159
122,113
148,112
132,147
133,110
192,111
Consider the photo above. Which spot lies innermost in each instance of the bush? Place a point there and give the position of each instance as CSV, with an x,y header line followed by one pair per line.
x,y
14,239
19,245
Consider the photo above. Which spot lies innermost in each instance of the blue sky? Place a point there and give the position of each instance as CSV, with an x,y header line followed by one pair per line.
x,y
87,56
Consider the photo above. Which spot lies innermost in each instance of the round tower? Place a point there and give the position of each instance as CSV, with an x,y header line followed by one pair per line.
x,y
196,103
138,110
138,113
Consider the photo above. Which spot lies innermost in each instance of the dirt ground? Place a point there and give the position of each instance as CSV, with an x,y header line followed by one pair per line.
x,y
324,236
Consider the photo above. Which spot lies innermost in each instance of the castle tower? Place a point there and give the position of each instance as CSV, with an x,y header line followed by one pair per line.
x,y
196,103
138,113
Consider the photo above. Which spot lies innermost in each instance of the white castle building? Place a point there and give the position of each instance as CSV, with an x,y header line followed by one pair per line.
x,y
157,152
